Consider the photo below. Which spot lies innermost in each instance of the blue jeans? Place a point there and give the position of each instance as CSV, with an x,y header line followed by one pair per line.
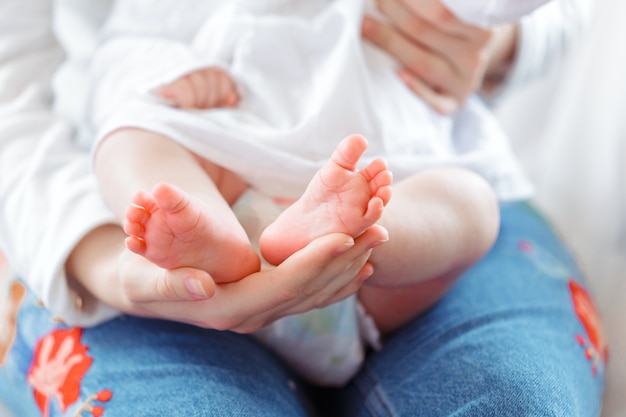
x,y
517,336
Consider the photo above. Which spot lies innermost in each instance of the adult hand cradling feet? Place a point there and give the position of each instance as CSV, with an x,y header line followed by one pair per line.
x,y
327,270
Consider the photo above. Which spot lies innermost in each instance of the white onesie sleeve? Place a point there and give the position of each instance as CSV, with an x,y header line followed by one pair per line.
x,y
48,196
144,44
547,30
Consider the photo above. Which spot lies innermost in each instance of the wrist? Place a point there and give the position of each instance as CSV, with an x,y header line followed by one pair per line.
x,y
502,52
92,263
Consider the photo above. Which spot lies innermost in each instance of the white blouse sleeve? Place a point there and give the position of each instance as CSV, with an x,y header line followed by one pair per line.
x,y
49,198
547,30
545,36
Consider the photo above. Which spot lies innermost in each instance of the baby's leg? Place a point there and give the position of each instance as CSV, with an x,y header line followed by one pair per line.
x,y
339,198
183,221
440,222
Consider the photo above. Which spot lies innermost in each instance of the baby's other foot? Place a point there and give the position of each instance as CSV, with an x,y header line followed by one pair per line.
x,y
339,198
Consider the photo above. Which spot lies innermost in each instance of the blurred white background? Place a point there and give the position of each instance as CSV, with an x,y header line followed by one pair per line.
x,y
569,129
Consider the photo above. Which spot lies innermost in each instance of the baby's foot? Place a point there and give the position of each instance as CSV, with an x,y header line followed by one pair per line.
x,y
206,88
173,229
339,198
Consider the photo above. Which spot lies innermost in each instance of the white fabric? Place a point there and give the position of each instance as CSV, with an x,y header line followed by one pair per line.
x,y
48,198
325,346
488,13
306,80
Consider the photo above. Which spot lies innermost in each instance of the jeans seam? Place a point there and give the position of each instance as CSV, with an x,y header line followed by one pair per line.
x,y
368,388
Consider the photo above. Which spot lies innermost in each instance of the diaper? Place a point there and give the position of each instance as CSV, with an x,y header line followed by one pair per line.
x,y
325,346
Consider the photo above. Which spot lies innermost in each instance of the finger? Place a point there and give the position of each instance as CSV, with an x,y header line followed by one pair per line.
x,y
168,93
187,93
245,305
226,91
412,23
208,89
438,15
257,299
184,284
326,259
434,69
145,282
435,13
180,93
200,84
366,271
343,270
442,103
347,273
359,271
217,82
460,51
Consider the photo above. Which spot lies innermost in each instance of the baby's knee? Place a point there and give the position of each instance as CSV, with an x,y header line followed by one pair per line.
x,y
476,206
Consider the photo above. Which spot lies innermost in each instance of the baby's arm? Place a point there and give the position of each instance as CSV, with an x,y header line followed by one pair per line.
x,y
205,88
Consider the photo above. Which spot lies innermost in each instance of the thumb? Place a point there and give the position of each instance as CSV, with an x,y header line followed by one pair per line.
x,y
144,282
183,284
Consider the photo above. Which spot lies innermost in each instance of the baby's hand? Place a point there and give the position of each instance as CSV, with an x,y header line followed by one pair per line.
x,y
206,88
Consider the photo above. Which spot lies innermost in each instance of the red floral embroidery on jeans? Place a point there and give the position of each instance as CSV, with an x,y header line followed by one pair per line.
x,y
96,410
590,319
58,367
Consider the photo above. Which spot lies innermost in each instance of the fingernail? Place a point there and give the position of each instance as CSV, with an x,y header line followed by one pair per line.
x,y
382,240
344,248
368,26
194,286
231,100
377,243
404,76
368,271
161,91
448,106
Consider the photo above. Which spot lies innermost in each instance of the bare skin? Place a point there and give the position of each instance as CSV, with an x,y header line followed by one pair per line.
x,y
325,271
141,167
206,88
185,221
174,229
440,221
340,198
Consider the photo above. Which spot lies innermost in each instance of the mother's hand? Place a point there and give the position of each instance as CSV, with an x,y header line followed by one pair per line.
x,y
329,269
444,59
